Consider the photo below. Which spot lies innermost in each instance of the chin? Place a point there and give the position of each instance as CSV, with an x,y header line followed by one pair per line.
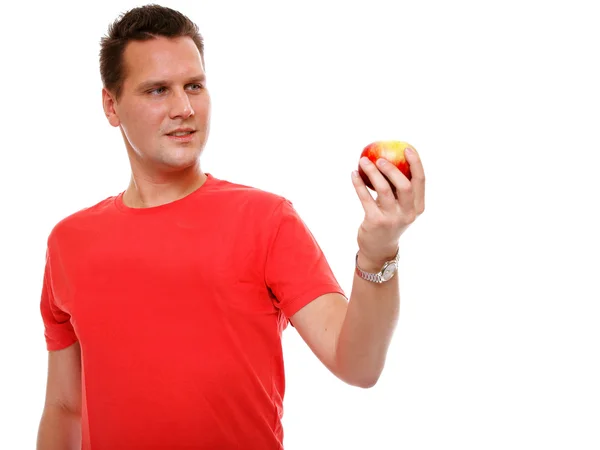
x,y
181,161
177,165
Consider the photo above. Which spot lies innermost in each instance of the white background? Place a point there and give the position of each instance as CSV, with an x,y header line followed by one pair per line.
x,y
498,341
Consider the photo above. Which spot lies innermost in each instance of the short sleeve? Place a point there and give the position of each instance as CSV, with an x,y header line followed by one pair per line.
x,y
297,271
58,330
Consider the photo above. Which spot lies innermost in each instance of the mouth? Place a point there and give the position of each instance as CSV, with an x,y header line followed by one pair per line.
x,y
182,135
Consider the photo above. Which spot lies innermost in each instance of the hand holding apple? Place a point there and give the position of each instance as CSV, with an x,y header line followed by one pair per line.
x,y
393,151
394,171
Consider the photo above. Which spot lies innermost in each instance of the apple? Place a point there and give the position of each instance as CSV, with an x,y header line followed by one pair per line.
x,y
392,151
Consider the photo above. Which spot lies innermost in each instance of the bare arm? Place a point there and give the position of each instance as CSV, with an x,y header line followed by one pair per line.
x,y
367,329
60,425
352,338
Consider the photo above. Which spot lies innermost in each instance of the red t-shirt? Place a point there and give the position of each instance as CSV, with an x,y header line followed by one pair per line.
x,y
179,311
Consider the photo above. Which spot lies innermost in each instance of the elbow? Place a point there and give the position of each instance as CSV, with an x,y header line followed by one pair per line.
x,y
367,383
363,381
359,372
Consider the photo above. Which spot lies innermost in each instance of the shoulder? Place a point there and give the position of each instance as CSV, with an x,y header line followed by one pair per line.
x,y
90,217
242,196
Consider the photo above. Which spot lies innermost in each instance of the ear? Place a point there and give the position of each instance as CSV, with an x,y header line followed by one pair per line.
x,y
108,103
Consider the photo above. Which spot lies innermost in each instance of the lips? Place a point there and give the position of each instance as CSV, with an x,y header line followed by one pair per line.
x,y
181,133
182,136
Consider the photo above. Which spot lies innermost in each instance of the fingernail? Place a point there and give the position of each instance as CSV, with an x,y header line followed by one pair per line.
x,y
410,151
381,162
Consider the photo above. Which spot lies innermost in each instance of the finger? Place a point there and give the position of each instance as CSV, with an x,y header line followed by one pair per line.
x,y
406,199
365,197
385,192
402,184
417,178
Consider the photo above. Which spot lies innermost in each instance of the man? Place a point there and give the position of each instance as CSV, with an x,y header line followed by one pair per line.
x,y
163,306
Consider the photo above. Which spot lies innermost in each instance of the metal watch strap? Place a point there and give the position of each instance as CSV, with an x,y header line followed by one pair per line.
x,y
374,277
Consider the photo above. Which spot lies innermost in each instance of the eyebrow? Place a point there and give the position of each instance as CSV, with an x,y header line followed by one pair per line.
x,y
154,83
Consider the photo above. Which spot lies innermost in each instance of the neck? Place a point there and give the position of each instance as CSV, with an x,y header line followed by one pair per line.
x,y
149,191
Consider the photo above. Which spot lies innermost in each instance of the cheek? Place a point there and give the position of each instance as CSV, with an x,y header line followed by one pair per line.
x,y
144,119
202,106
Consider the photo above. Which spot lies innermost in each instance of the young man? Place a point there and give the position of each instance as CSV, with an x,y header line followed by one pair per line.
x,y
164,305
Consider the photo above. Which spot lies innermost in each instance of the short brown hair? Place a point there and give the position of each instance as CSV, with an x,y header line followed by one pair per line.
x,y
141,24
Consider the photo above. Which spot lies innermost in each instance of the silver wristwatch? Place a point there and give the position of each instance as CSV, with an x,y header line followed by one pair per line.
x,y
386,273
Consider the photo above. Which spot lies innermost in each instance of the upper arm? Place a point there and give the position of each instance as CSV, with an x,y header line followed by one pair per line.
x,y
63,388
319,324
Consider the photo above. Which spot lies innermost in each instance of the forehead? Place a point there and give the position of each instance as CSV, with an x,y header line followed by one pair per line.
x,y
163,58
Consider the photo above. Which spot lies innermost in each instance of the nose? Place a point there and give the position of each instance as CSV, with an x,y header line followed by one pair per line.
x,y
181,106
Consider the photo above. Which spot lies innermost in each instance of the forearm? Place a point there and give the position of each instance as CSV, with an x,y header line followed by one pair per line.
x,y
59,429
368,327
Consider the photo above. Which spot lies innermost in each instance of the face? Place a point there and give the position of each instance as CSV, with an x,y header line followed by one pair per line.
x,y
164,108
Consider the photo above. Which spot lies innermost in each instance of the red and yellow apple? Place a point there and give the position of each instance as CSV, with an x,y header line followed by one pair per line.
x,y
392,151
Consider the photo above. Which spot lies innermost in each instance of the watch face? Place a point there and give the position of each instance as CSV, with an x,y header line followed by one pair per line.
x,y
389,271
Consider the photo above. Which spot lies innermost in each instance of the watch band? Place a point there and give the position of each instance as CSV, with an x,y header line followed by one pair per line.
x,y
377,277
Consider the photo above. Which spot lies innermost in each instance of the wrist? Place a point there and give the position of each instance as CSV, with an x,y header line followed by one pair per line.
x,y
372,265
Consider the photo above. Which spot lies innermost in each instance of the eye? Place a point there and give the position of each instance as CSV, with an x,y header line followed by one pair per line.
x,y
157,91
196,86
